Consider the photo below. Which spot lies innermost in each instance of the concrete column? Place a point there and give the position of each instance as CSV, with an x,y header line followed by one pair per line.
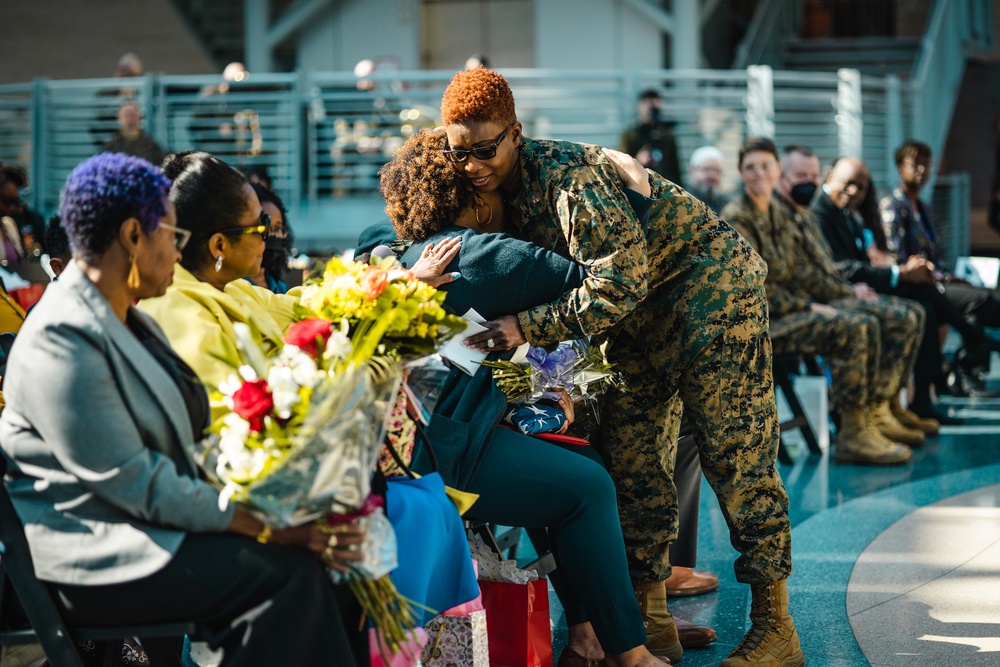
x,y
256,52
685,45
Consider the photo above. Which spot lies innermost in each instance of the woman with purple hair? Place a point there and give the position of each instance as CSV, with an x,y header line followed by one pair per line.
x,y
117,520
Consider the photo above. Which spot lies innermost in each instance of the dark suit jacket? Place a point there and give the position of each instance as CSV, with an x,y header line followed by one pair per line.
x,y
848,246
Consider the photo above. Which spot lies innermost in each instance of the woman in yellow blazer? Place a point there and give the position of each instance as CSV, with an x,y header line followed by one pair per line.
x,y
209,294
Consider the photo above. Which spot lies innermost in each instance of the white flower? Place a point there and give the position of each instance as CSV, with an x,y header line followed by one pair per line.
x,y
339,344
398,274
248,373
230,385
284,389
304,371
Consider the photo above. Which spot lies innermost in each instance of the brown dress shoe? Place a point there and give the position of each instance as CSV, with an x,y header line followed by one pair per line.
x,y
684,581
693,635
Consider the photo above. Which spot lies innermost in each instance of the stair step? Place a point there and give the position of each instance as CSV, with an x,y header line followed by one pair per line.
x,y
870,55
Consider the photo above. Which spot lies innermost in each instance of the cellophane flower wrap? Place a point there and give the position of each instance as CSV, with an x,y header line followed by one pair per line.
x,y
576,367
306,425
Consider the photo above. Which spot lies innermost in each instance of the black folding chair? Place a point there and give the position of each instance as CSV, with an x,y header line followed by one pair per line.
x,y
785,366
29,612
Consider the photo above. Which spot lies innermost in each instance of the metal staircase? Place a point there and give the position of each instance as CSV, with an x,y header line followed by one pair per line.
x,y
219,26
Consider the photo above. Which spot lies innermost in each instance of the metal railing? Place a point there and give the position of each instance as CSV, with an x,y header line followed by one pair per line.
x,y
323,136
955,29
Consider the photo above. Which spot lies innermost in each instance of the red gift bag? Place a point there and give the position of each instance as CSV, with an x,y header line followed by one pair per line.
x,y
517,621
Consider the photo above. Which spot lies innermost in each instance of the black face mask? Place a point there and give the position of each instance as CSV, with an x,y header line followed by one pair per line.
x,y
802,194
275,255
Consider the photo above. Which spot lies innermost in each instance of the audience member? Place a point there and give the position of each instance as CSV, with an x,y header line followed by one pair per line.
x,y
209,294
230,130
119,523
794,192
909,232
278,244
476,61
129,65
812,314
835,209
654,295
705,176
17,221
57,245
650,140
130,138
258,174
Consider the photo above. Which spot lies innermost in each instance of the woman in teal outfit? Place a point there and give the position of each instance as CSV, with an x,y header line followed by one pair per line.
x,y
521,481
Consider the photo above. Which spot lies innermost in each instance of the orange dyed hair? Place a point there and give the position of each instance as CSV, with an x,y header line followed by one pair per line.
x,y
478,95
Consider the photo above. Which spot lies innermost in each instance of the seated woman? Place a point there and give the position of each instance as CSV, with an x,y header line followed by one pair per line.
x,y
274,267
520,480
116,518
224,216
228,230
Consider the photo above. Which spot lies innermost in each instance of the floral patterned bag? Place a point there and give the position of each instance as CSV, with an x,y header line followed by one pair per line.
x,y
457,641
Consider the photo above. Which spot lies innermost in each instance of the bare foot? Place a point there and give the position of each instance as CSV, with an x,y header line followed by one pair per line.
x,y
637,657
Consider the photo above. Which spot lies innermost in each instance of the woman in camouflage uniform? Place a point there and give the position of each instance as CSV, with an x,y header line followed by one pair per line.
x,y
680,306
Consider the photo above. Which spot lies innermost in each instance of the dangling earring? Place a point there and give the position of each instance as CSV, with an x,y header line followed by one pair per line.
x,y
218,264
480,200
133,276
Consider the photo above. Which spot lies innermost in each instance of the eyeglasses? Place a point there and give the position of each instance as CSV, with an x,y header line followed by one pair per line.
x,y
263,227
181,236
460,155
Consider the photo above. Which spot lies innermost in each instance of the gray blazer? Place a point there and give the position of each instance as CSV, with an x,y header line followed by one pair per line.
x,y
93,427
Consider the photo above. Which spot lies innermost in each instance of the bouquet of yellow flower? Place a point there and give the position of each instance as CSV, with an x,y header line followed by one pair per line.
x,y
305,427
395,313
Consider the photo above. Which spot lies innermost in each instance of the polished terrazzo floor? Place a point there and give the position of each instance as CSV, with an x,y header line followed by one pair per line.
x,y
892,566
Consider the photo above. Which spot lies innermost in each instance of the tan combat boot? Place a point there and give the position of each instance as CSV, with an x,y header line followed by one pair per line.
x,y
887,424
772,640
858,442
911,419
661,632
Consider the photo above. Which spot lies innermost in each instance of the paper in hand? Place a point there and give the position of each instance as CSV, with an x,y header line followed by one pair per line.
x,y
466,358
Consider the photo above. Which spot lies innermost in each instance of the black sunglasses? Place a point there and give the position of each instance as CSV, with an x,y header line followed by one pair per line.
x,y
263,227
460,155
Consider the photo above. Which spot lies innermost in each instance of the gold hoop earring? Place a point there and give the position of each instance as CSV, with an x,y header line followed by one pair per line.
x,y
218,264
133,281
475,207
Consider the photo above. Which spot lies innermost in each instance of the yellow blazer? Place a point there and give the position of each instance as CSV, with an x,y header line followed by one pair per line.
x,y
198,320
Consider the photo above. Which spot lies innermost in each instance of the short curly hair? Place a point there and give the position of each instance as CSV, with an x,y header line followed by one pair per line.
x,y
105,191
478,95
423,192
913,149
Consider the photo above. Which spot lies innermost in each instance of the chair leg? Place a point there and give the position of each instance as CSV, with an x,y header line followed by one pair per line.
x,y
805,427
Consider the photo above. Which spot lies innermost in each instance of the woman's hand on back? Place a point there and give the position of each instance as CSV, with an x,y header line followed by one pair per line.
x,y
634,176
435,259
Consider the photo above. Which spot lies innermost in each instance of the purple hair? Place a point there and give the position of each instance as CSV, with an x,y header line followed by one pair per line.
x,y
105,191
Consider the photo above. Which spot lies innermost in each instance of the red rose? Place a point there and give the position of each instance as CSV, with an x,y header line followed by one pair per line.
x,y
309,335
374,281
253,401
